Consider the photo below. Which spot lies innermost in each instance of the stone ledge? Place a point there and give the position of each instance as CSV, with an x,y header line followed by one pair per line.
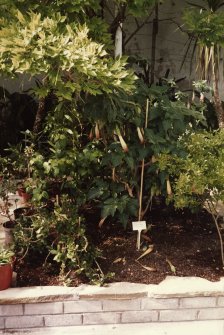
x,y
169,288
121,290
37,294
187,287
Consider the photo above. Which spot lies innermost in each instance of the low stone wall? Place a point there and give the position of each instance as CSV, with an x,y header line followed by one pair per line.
x,y
175,299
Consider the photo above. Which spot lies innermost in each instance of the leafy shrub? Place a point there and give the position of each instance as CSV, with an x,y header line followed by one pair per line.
x,y
198,176
58,235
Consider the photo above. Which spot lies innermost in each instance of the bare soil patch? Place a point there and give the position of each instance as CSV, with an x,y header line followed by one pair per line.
x,y
184,244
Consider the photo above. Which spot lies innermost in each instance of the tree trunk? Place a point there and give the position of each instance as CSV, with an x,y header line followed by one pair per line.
x,y
218,104
118,42
155,28
217,100
40,116
119,18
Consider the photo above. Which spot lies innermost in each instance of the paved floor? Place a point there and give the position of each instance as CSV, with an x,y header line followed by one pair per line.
x,y
171,328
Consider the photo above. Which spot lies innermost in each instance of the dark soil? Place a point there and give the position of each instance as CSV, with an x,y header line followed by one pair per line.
x,y
181,244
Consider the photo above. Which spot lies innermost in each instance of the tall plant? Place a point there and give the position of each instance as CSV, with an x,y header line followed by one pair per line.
x,y
147,131
72,67
66,58
205,23
91,13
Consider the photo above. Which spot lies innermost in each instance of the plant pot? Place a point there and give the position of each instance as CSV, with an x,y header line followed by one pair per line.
x,y
8,227
26,197
23,217
22,211
22,193
5,276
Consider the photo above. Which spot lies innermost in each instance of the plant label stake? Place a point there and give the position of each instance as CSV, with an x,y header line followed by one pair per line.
x,y
139,226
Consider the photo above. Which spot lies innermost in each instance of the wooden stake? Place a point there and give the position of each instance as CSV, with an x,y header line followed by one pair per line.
x,y
143,166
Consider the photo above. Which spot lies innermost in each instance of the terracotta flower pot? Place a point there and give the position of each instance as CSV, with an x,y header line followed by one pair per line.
x,y
5,276
22,193
26,197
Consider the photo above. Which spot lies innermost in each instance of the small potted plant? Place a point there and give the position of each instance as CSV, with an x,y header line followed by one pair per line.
x,y
6,268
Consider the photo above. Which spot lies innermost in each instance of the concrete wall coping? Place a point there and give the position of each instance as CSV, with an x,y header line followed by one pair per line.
x,y
172,286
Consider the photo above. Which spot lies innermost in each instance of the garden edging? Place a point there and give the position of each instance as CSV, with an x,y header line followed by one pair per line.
x,y
174,299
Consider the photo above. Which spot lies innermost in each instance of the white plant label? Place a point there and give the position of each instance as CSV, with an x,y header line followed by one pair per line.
x,y
139,226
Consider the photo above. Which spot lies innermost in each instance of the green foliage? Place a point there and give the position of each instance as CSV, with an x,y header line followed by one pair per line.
x,y
75,9
6,256
70,60
73,67
89,12
96,171
60,233
137,7
198,177
69,158
212,5
168,120
200,172
206,25
97,133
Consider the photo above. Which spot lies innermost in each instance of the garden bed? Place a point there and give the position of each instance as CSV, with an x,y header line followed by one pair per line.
x,y
184,244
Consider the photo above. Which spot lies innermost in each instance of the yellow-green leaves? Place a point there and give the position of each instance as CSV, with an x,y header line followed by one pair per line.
x,y
20,17
64,54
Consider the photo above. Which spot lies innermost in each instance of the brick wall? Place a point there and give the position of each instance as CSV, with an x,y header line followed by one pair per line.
x,y
175,299
96,312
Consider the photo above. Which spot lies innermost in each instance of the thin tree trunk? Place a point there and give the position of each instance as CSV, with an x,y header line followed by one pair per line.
x,y
154,35
217,100
119,18
118,41
102,8
40,116
218,104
